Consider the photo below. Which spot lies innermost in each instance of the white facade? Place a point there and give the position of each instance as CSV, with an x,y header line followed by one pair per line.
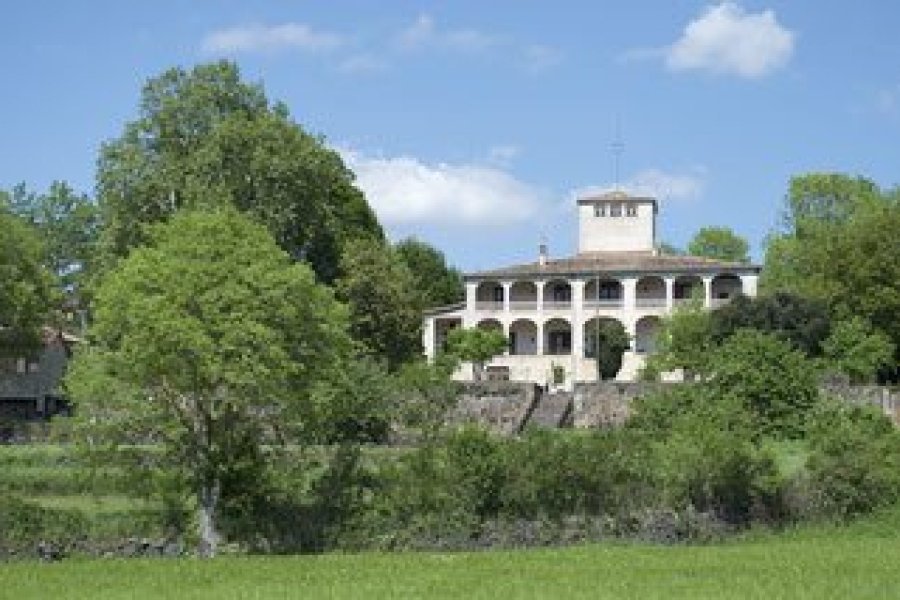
x,y
616,223
548,308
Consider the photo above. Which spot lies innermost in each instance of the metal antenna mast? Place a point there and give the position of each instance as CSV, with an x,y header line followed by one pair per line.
x,y
617,148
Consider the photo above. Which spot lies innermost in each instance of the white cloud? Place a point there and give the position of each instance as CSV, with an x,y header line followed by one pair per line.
x,y
423,33
262,38
363,64
405,189
539,57
655,183
726,39
503,154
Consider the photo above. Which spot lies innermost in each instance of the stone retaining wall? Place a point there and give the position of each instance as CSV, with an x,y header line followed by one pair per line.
x,y
507,407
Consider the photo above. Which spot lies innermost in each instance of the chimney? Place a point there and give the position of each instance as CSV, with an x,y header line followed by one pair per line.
x,y
542,254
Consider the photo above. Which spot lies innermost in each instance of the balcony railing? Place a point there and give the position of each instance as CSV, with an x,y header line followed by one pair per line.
x,y
491,305
608,303
523,305
557,304
650,302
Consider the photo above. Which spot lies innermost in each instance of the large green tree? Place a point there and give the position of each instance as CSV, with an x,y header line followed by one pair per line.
x,y
719,242
438,283
68,224
205,138
208,339
27,297
385,308
839,244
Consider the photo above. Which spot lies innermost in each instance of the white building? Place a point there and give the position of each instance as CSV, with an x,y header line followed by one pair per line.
x,y
547,308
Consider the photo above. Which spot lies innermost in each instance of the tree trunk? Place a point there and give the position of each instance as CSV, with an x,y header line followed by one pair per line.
x,y
207,506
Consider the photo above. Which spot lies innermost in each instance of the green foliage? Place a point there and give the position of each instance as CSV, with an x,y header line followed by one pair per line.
x,y
357,407
68,224
802,322
385,308
776,383
720,243
475,345
704,453
27,296
839,244
857,350
208,340
854,462
611,341
423,393
437,283
824,198
204,138
684,342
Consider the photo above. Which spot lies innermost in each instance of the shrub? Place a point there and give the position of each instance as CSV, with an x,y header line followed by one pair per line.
x,y
854,462
776,383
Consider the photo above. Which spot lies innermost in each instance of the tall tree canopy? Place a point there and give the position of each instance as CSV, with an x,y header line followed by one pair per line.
x,y
803,322
211,339
438,283
839,244
719,242
204,138
385,308
67,222
26,286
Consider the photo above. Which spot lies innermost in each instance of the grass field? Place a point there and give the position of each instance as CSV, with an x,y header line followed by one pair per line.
x,y
854,562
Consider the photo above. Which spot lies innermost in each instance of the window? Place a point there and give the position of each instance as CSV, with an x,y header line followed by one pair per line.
x,y
599,210
615,210
631,210
559,342
562,293
609,290
498,294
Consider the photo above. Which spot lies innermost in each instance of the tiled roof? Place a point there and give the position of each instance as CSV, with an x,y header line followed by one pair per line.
x,y
588,263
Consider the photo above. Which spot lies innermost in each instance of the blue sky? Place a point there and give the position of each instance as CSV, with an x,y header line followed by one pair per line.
x,y
472,125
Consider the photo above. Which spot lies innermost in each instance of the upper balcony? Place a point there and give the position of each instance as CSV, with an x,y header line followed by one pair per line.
x,y
650,293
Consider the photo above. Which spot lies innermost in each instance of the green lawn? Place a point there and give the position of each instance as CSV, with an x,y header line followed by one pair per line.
x,y
834,564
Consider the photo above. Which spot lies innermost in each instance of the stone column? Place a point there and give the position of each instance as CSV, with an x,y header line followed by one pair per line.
x,y
749,284
670,290
707,290
577,325
469,317
629,293
507,285
428,341
539,341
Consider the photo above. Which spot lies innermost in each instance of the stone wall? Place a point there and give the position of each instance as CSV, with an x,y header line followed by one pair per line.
x,y
501,406
507,407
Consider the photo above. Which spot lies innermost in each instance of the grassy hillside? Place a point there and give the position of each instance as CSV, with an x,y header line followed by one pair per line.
x,y
823,562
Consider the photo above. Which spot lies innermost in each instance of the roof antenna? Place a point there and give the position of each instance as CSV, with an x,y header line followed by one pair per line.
x,y
617,148
542,251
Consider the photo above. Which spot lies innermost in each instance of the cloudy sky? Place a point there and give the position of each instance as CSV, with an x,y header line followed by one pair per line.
x,y
473,125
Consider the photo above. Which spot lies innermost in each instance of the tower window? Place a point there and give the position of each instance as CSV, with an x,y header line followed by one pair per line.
x,y
615,210
631,210
599,210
